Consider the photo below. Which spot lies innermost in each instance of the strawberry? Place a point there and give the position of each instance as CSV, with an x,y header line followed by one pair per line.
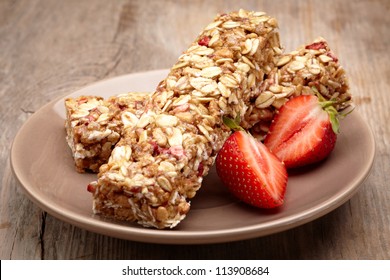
x,y
304,131
251,172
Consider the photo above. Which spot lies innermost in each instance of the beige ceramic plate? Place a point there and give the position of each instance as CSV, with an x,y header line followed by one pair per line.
x,y
42,163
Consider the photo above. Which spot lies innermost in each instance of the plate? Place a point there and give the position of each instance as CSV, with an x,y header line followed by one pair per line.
x,y
42,162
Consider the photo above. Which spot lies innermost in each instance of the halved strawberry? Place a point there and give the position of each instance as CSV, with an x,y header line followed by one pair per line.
x,y
304,131
251,172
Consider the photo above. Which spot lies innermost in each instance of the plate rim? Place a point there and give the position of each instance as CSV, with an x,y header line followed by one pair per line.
x,y
185,237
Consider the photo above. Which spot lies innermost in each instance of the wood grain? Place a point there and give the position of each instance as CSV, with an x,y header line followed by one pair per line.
x,y
51,48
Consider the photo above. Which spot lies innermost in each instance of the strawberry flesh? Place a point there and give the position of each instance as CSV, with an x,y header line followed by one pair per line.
x,y
251,172
301,133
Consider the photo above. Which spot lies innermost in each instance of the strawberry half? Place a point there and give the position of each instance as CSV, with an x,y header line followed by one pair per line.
x,y
251,172
304,131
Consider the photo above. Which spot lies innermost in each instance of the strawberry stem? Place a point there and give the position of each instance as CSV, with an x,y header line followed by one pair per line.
x,y
233,124
334,120
328,106
328,103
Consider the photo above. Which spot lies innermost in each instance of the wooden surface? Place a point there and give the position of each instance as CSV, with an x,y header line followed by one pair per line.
x,y
51,48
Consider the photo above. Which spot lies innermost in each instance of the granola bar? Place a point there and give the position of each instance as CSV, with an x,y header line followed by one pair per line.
x,y
158,166
94,125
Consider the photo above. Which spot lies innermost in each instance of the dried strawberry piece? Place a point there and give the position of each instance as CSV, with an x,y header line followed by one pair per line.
x,y
157,150
91,118
316,46
91,188
82,100
181,108
122,107
177,152
204,41
330,54
200,169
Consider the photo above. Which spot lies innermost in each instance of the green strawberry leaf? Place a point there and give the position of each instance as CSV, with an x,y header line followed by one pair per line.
x,y
232,124
328,106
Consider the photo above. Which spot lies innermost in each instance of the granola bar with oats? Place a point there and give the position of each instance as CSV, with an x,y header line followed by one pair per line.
x,y
94,125
158,166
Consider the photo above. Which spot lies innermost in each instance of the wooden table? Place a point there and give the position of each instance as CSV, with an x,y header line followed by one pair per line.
x,y
51,48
